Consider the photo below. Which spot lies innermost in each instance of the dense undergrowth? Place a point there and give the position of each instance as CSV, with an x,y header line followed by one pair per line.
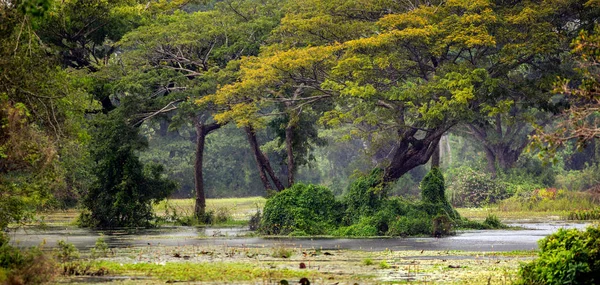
x,y
565,257
366,210
31,266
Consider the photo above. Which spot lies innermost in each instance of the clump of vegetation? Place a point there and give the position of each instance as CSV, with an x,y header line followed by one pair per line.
x,y
384,265
308,208
582,215
472,188
565,257
312,210
66,252
31,266
548,199
100,249
367,261
365,196
282,252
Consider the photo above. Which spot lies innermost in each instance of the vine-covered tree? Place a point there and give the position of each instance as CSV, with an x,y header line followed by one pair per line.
x,y
123,190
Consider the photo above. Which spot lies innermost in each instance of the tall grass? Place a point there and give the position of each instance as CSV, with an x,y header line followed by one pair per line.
x,y
536,202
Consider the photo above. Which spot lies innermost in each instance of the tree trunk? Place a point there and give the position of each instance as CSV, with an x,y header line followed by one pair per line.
x,y
435,156
262,163
412,152
202,131
290,154
257,157
491,161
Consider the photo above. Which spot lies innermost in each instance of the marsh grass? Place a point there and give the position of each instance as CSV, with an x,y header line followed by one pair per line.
x,y
222,212
196,272
571,201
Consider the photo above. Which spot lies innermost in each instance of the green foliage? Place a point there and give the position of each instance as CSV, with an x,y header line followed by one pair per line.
x,y
308,208
364,228
411,226
100,248
565,257
579,180
123,189
471,188
293,212
433,191
433,188
384,265
549,199
66,252
28,266
365,196
583,215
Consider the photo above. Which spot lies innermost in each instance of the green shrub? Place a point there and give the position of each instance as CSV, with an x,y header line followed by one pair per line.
x,y
411,226
30,266
432,187
364,228
490,222
308,208
442,225
365,196
65,251
471,188
100,249
565,257
579,180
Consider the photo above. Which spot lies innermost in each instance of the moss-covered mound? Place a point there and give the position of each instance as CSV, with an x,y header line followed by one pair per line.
x,y
365,210
301,210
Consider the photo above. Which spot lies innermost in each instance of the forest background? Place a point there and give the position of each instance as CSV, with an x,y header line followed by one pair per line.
x,y
110,105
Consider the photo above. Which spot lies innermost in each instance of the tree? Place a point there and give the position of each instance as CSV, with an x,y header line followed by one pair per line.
x,y
174,60
123,189
414,72
43,138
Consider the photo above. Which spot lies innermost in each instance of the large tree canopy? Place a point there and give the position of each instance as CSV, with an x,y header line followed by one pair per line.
x,y
409,73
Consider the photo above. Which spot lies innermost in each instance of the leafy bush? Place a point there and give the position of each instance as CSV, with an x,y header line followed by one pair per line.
x,y
312,210
308,208
411,226
432,187
365,196
31,266
364,228
579,180
565,257
471,188
65,251
100,249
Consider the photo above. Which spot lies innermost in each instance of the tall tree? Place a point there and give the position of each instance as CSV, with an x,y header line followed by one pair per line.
x,y
174,60
413,73
124,189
